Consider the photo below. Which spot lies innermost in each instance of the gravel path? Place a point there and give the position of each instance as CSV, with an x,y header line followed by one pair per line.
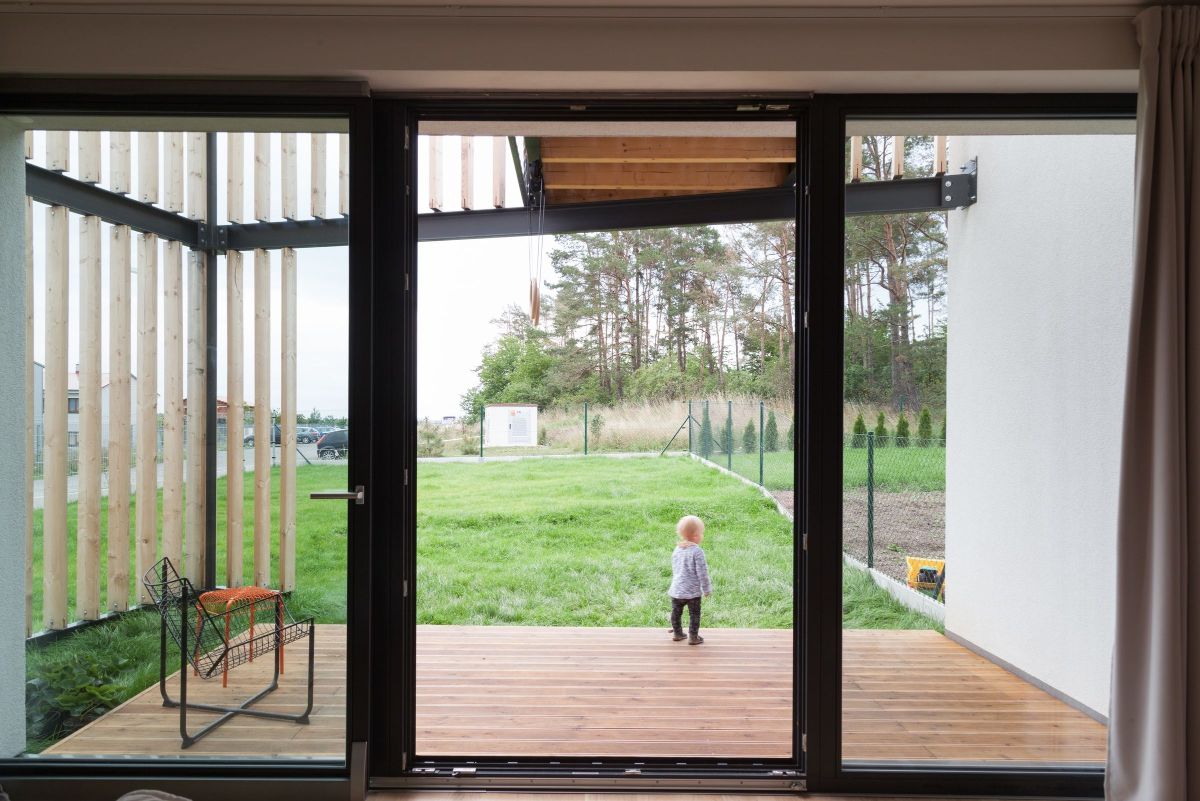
x,y
906,524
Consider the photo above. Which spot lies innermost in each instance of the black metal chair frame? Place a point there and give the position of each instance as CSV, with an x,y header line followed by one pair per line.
x,y
226,656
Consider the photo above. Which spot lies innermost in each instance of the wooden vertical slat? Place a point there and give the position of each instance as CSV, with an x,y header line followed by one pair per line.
x,y
30,399
468,173
89,156
173,394
897,157
147,172
54,421
940,165
287,422
235,452
435,173
87,527
197,430
58,151
287,174
119,412
146,550
262,177
856,146
173,171
119,168
235,177
262,418
317,171
499,170
197,190
343,174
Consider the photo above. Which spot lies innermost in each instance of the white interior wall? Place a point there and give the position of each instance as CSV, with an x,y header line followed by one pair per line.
x,y
12,420
1038,296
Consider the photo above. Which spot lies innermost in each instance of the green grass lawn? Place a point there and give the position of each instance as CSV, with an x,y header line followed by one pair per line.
x,y
588,543
896,469
558,542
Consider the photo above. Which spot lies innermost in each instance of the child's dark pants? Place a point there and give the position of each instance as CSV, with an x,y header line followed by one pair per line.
x,y
693,605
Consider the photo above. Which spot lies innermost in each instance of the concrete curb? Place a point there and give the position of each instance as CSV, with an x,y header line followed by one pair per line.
x,y
904,594
766,493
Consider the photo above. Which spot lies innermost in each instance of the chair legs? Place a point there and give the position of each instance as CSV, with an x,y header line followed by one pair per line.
x,y
227,712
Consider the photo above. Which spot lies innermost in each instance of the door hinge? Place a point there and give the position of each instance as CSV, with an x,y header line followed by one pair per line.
x,y
406,282
406,137
405,588
404,761
804,743
804,540
406,476
806,318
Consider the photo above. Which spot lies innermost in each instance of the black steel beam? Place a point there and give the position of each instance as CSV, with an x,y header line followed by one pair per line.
x,y
289,234
910,195
753,205
56,189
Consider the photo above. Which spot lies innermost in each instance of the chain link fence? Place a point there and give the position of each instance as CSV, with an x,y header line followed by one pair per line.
x,y
894,500
755,439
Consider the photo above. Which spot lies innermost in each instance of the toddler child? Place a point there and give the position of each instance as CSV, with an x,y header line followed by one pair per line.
x,y
689,579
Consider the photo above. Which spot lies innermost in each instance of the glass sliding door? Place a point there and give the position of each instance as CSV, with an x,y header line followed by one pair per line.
x,y
187,390
985,306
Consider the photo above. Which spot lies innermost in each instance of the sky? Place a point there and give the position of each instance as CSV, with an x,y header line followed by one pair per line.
x,y
463,287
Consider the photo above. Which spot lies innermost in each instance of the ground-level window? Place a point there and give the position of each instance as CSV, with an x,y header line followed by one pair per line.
x,y
984,363
165,500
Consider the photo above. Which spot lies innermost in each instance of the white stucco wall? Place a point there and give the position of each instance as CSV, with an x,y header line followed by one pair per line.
x,y
1038,297
12,420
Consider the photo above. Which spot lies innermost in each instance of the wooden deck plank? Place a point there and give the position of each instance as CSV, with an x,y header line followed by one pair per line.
x,y
527,691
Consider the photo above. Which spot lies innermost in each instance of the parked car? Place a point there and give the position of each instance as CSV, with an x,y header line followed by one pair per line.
x,y
275,436
306,434
334,445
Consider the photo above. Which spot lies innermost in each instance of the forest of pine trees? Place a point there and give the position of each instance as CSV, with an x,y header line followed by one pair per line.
x,y
691,312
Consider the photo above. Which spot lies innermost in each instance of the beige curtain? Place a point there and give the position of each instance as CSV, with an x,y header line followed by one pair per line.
x,y
1154,722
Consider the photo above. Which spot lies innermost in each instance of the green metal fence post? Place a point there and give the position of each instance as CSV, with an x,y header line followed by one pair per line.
x,y
690,449
761,406
585,415
482,412
870,499
729,437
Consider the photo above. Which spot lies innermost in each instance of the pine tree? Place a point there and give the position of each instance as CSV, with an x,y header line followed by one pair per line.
x,y
771,434
881,432
859,440
902,432
727,435
749,438
706,434
925,429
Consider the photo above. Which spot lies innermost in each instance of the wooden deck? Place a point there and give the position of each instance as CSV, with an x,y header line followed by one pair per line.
x,y
528,691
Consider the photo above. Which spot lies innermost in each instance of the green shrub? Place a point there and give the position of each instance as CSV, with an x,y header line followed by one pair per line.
x,y
62,697
859,439
881,432
706,434
902,432
943,431
791,436
749,438
925,429
429,439
727,435
771,433
595,431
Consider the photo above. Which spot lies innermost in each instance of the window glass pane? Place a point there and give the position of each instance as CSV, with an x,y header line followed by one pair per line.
x,y
985,332
126,538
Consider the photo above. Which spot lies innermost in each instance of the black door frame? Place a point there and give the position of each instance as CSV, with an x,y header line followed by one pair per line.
x,y
213,777
823,496
392,749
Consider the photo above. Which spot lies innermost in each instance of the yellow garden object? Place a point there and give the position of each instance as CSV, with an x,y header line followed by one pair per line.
x,y
922,572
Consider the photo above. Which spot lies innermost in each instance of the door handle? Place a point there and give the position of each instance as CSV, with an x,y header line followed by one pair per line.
x,y
359,496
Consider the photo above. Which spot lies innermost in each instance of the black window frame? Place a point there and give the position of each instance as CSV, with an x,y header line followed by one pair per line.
x,y
80,777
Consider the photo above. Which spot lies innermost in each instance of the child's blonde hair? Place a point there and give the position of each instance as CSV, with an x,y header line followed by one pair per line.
x,y
689,525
